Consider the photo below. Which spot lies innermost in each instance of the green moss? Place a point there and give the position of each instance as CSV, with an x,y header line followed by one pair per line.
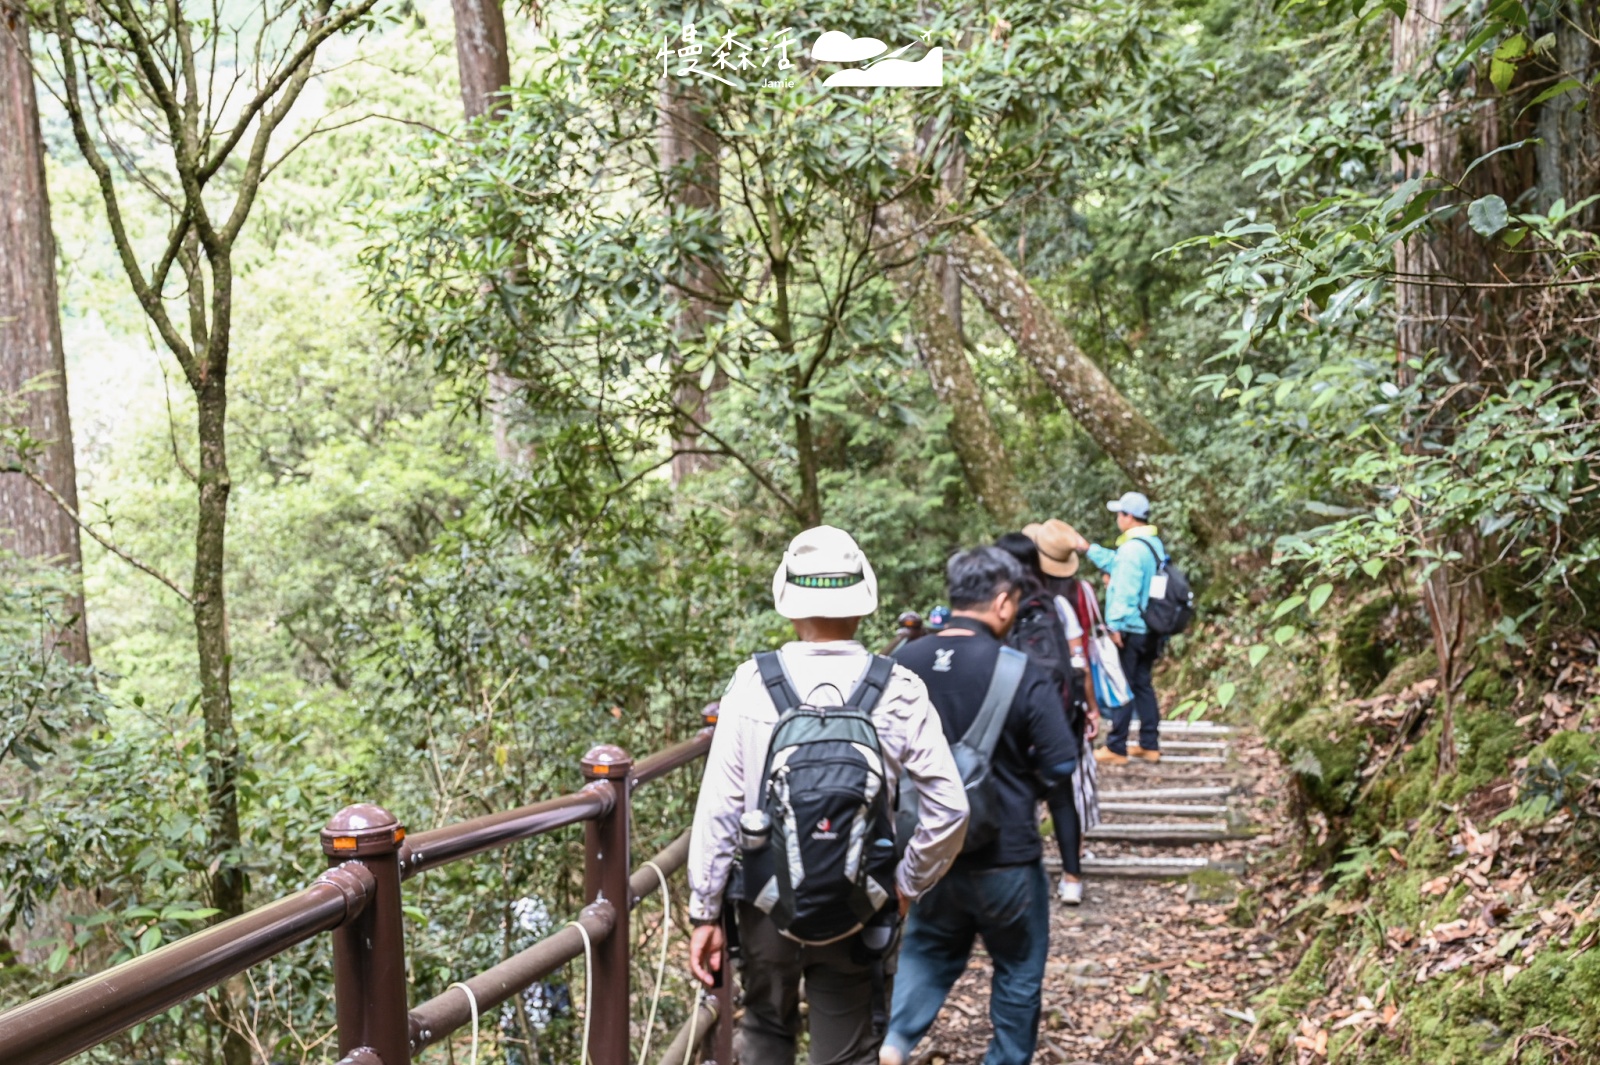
x,y
1324,749
1570,752
1212,885
1485,744
1365,658
1419,666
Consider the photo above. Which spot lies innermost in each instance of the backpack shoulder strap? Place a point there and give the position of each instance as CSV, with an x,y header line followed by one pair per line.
x,y
1148,546
984,732
869,689
773,675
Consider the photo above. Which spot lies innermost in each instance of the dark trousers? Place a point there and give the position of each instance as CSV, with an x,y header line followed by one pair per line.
x,y
839,994
1139,653
1064,818
1009,906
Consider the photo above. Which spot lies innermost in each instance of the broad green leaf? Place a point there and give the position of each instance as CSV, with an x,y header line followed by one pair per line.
x,y
1225,692
1372,567
1283,634
150,940
1257,653
1319,595
1287,605
1488,215
1501,73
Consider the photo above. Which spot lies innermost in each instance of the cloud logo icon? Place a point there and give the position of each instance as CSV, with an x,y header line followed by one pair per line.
x,y
925,73
836,47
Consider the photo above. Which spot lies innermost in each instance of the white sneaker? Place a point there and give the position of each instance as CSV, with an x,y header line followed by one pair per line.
x,y
888,1055
1069,892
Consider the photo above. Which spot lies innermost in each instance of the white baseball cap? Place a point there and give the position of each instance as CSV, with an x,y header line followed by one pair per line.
x,y
1133,504
824,574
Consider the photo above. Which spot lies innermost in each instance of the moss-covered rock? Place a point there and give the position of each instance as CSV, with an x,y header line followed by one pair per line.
x,y
1325,749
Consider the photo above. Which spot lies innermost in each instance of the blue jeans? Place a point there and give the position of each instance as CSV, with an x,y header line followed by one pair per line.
x,y
1009,907
1139,653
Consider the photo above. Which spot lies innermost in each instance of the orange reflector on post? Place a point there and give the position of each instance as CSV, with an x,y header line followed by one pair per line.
x,y
344,843
399,834
601,770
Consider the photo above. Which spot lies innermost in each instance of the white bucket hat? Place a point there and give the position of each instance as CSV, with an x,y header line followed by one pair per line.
x,y
824,574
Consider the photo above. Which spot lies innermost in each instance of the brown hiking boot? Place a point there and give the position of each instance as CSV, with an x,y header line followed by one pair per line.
x,y
1136,751
1106,756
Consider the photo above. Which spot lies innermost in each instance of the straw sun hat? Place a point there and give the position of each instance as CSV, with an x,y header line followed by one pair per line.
x,y
1055,540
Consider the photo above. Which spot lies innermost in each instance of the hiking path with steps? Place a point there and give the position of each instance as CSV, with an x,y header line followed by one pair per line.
x,y
1159,963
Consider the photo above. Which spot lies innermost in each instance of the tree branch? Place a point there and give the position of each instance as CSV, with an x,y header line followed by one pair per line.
x,y
103,541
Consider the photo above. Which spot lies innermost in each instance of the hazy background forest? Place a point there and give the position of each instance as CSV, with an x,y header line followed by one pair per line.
x,y
444,381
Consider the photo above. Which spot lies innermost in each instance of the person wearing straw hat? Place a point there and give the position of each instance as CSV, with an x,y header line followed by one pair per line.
x,y
1072,815
824,585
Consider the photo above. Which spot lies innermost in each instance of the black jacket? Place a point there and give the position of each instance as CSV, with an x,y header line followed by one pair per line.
x,y
1036,744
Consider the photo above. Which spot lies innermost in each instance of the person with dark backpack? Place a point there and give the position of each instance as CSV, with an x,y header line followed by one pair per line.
x,y
793,845
1003,715
1140,578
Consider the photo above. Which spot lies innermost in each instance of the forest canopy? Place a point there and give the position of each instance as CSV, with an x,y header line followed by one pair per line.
x,y
445,380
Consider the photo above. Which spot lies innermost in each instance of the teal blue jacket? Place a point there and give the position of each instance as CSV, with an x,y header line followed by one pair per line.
x,y
1131,567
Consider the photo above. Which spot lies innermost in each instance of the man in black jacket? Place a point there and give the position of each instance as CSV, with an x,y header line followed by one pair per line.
x,y
997,891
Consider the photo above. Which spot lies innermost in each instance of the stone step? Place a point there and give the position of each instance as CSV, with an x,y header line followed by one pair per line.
x,y
1177,759
1135,794
1173,868
1157,809
1205,727
1160,832
1193,745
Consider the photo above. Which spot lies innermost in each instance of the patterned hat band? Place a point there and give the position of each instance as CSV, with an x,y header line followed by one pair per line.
x,y
826,580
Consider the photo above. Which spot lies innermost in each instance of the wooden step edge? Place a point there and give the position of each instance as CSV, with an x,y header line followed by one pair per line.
x,y
1153,829
1173,809
1174,868
1194,745
1134,794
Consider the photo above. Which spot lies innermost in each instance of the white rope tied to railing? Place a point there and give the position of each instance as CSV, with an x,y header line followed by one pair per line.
x,y
588,990
472,1001
661,964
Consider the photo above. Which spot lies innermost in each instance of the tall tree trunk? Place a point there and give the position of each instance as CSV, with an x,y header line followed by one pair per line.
x,y
1438,314
31,523
977,445
1126,435
481,55
484,61
211,637
693,176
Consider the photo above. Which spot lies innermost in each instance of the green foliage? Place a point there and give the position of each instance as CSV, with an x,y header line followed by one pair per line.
x,y
42,696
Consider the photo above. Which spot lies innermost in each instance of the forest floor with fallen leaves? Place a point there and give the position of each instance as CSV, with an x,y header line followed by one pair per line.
x,y
1150,970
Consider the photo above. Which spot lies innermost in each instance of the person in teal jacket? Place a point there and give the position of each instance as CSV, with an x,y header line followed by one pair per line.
x,y
1132,564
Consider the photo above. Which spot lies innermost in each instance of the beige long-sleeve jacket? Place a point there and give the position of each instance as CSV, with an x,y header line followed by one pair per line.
x,y
908,731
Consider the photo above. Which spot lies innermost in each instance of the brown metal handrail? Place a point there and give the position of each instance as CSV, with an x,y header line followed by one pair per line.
x,y
79,1016
358,901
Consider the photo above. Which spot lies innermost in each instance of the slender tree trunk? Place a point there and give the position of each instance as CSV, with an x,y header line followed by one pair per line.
x,y
972,433
1127,436
211,640
689,156
484,61
31,523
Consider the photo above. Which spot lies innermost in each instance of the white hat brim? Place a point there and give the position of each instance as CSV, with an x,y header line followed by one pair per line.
x,y
793,601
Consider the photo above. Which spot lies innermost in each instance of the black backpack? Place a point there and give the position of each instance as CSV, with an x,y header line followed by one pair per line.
x,y
974,755
1039,633
1171,605
829,868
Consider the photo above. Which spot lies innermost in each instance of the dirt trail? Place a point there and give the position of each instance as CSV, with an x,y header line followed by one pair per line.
x,y
1144,970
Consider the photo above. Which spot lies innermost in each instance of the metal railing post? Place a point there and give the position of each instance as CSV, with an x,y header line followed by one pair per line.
x,y
369,953
606,869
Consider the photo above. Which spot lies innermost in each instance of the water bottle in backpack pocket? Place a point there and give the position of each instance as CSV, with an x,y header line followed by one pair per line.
x,y
827,867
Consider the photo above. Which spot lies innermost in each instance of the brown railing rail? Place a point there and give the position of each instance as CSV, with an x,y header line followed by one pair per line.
x,y
358,901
